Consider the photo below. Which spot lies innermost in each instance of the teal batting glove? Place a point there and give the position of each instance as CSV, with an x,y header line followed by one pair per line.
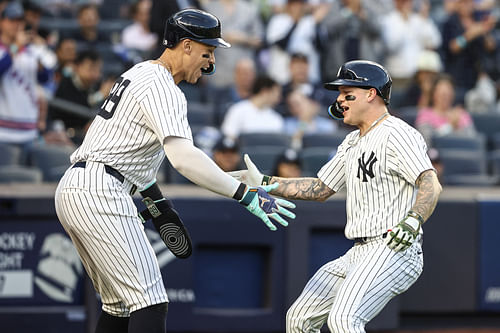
x,y
264,206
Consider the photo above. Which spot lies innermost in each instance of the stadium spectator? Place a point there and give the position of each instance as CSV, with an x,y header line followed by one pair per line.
x,y
226,154
66,56
467,42
81,87
255,114
419,92
288,165
293,31
443,116
88,34
405,34
353,31
242,28
244,74
305,118
137,36
299,80
20,73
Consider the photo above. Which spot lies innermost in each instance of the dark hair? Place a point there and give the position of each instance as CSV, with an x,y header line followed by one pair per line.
x,y
289,156
87,54
263,82
84,7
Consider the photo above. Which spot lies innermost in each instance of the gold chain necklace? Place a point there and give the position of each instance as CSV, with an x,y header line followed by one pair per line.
x,y
165,65
354,142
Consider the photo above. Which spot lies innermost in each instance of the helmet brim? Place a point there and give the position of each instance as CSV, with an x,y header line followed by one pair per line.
x,y
217,42
334,85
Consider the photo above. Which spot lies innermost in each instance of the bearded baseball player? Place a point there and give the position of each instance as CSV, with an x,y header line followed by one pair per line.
x,y
392,189
142,120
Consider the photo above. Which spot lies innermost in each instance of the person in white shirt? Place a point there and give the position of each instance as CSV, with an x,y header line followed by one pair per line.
x,y
406,34
137,36
255,114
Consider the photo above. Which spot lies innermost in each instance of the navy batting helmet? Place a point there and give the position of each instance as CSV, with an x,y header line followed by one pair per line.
x,y
362,74
196,25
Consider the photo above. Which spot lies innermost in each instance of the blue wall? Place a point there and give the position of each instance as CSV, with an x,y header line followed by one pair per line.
x,y
242,277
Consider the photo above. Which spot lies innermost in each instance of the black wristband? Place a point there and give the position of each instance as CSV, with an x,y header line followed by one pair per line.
x,y
266,180
152,192
238,195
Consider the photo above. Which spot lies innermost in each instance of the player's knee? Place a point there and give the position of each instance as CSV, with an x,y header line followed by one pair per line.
x,y
344,323
298,322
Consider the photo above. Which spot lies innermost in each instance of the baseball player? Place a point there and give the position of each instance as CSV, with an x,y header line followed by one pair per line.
x,y
380,165
142,120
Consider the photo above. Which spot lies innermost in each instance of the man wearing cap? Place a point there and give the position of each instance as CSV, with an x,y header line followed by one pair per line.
x,y
226,154
20,71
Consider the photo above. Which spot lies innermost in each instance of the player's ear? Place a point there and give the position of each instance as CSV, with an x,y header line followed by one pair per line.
x,y
187,45
372,93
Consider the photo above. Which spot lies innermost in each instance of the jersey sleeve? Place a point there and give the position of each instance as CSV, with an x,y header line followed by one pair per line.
x,y
333,172
407,154
165,111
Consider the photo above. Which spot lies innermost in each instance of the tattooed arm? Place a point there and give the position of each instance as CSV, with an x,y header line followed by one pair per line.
x,y
305,188
427,195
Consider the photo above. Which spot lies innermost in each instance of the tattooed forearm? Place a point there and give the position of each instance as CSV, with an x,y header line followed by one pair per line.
x,y
427,195
302,188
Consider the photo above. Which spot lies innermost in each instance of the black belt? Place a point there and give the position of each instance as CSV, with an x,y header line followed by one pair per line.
x,y
363,240
109,170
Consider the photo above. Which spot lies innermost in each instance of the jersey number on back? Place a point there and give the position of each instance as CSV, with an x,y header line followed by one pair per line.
x,y
109,106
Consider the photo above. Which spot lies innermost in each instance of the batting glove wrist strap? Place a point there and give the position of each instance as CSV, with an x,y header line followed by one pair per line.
x,y
261,204
405,232
152,191
266,180
169,225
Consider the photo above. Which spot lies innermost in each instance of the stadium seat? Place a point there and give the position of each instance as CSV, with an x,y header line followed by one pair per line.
x,y
495,140
407,113
264,157
465,167
51,160
19,174
11,155
323,140
200,114
494,159
488,124
313,158
478,142
264,139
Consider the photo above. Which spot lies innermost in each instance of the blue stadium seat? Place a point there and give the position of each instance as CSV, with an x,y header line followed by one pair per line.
x,y
19,174
324,140
407,113
313,158
264,157
264,139
11,154
51,160
494,159
488,124
200,114
466,167
477,142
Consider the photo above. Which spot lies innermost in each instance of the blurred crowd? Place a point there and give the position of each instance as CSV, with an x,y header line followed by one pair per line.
x,y
60,58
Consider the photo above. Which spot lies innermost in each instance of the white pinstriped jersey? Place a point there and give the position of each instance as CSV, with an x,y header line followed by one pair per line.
x,y
379,173
144,107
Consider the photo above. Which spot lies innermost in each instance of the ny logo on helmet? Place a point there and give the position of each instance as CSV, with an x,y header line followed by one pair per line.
x,y
366,166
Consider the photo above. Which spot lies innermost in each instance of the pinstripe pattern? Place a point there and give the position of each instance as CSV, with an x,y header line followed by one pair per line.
x,y
151,108
381,202
379,173
350,291
101,219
